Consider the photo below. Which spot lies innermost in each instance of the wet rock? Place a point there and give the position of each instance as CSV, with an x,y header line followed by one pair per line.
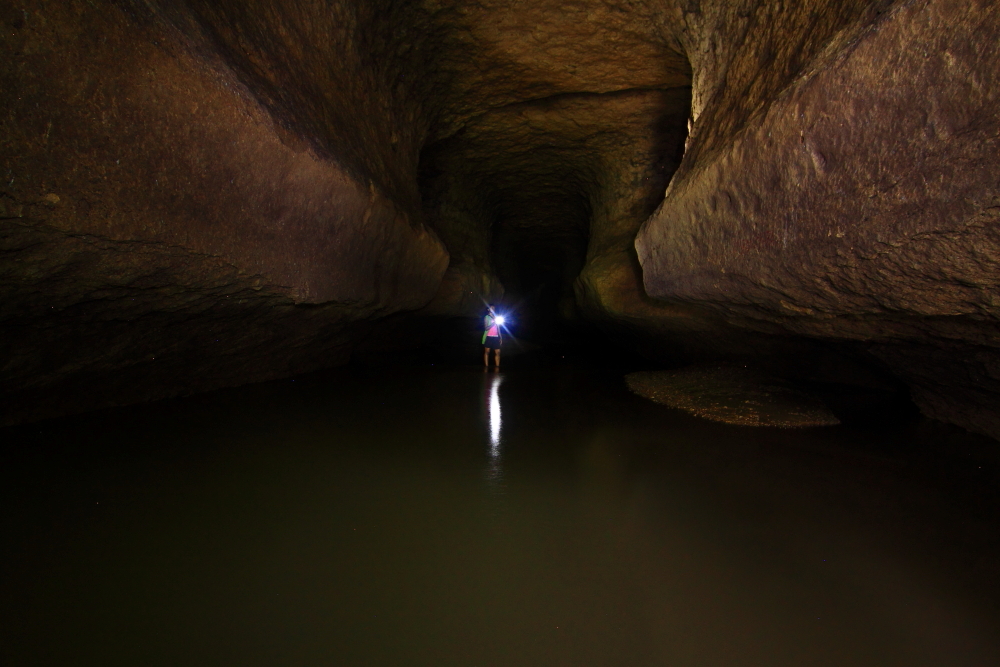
x,y
733,395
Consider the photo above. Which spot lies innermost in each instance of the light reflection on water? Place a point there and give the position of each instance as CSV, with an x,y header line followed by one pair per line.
x,y
496,418
494,472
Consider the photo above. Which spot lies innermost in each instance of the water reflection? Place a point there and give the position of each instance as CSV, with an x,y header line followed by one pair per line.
x,y
493,381
496,419
400,518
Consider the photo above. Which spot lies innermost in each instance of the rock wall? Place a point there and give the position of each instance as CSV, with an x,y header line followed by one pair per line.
x,y
201,193
856,203
166,230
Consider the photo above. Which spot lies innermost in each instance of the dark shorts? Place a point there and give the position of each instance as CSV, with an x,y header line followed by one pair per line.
x,y
492,342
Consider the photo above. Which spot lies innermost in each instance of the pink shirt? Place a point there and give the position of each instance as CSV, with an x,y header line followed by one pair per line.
x,y
493,330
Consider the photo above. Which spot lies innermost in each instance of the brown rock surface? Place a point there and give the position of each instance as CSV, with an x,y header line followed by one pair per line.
x,y
243,189
153,208
733,395
856,203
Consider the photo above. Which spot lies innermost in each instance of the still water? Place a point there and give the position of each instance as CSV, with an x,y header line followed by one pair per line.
x,y
446,516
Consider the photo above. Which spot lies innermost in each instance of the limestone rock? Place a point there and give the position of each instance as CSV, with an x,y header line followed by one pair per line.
x,y
155,206
856,201
243,189
733,395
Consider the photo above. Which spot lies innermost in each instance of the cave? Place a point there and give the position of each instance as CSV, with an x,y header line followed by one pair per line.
x,y
756,237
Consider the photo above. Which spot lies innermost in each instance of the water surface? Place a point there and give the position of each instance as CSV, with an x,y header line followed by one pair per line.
x,y
446,516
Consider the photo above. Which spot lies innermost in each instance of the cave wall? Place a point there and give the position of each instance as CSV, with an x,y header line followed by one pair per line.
x,y
857,203
197,193
166,229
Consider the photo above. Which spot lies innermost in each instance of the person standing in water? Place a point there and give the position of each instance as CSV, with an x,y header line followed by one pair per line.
x,y
492,337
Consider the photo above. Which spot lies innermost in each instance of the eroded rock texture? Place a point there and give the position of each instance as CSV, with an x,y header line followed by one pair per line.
x,y
202,193
169,217
733,395
856,202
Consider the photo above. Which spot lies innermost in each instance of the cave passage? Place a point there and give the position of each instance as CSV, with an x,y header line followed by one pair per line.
x,y
773,215
200,194
529,196
430,516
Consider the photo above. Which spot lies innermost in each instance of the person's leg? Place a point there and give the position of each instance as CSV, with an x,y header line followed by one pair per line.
x,y
496,357
486,357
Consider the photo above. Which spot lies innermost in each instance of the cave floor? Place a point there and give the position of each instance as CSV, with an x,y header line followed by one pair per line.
x,y
428,515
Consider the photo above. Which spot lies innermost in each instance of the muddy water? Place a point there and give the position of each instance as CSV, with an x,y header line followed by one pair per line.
x,y
546,516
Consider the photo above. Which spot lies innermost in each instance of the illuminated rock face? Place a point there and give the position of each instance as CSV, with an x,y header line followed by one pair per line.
x,y
859,203
202,193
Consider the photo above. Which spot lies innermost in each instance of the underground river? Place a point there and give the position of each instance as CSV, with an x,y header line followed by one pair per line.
x,y
429,515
